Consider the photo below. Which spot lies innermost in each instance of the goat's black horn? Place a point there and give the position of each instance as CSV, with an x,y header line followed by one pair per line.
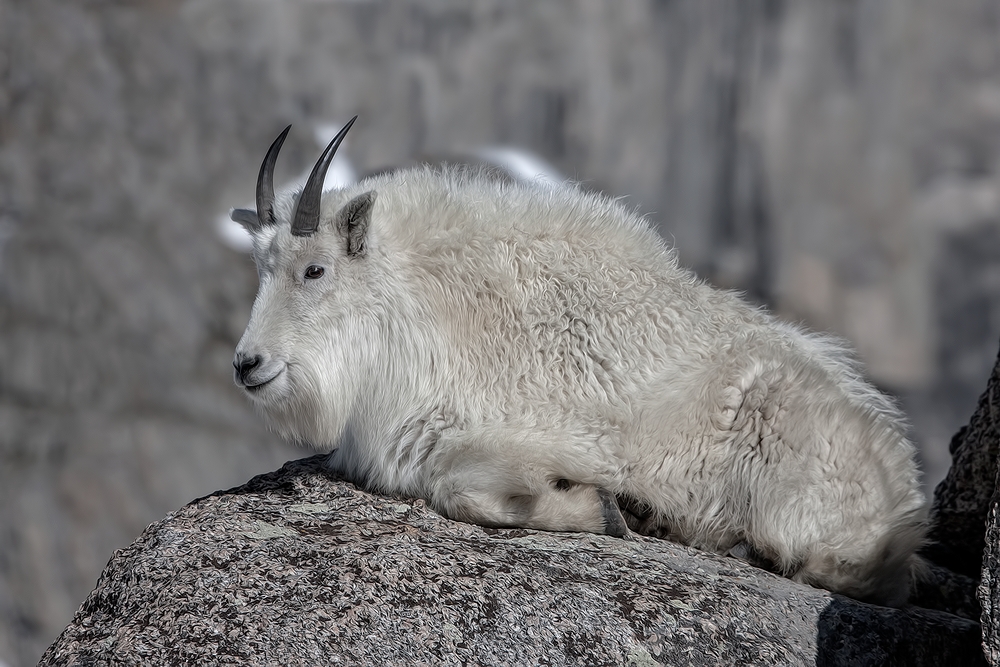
x,y
265,182
305,222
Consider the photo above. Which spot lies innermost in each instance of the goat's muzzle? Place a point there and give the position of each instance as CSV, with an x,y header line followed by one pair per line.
x,y
260,375
244,365
252,373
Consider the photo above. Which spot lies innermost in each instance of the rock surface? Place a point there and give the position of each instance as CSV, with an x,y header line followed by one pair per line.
x,y
989,587
963,499
298,567
975,502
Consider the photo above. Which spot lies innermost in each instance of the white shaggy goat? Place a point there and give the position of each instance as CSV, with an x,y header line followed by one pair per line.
x,y
535,357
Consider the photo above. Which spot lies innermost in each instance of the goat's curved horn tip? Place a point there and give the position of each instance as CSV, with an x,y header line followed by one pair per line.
x,y
305,221
265,181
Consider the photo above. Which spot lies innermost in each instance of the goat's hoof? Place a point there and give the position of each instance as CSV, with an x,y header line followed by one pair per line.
x,y
614,522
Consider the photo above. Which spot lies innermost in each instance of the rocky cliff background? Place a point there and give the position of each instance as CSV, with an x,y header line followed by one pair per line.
x,y
838,161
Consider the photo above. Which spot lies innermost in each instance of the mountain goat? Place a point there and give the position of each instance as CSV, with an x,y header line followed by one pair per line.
x,y
534,356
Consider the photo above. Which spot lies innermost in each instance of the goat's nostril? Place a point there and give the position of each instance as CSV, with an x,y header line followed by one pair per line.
x,y
244,364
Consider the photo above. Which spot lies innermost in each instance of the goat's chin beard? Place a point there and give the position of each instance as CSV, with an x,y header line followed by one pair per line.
x,y
269,394
295,423
302,410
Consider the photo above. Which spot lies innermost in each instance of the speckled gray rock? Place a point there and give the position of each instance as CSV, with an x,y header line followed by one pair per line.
x,y
963,499
298,567
989,587
974,476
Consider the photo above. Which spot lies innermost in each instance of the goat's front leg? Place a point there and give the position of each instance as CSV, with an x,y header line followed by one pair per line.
x,y
493,487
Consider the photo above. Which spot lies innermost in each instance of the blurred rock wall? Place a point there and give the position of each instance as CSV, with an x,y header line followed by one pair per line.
x,y
836,160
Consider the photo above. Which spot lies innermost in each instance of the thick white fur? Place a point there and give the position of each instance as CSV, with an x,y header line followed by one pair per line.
x,y
495,338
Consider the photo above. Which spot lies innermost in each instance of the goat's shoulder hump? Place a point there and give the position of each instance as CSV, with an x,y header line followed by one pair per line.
x,y
422,203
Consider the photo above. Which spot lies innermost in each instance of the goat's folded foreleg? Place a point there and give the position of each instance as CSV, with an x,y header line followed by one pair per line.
x,y
518,487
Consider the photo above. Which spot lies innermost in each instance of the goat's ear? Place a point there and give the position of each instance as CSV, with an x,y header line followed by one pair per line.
x,y
247,217
352,222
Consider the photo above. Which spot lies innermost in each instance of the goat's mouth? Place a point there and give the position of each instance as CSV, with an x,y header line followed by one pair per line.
x,y
259,386
254,388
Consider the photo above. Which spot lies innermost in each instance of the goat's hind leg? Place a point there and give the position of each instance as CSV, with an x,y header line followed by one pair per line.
x,y
592,507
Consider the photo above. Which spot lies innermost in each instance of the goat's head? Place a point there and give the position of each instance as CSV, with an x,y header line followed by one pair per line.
x,y
306,347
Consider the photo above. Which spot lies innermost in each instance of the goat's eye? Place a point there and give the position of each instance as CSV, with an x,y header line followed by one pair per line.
x,y
313,272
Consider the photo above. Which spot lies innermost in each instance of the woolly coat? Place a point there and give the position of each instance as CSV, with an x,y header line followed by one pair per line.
x,y
520,354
